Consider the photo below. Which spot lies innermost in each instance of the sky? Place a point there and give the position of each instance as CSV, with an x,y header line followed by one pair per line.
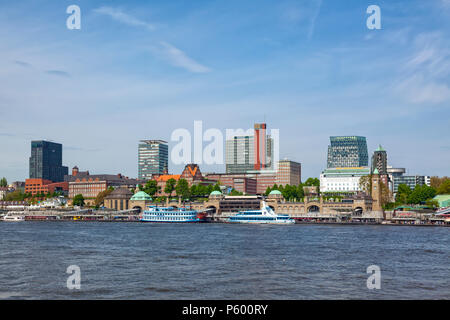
x,y
140,70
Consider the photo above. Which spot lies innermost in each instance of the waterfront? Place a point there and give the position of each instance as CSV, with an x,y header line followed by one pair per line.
x,y
221,261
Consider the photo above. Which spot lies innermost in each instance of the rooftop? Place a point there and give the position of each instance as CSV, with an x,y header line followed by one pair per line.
x,y
141,196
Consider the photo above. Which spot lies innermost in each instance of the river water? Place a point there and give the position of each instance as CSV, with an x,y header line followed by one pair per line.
x,y
222,261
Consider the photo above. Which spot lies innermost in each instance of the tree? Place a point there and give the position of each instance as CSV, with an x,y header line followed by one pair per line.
x,y
101,197
216,187
170,186
436,182
444,187
385,194
421,194
235,193
312,182
300,192
151,188
16,195
78,200
403,192
432,203
182,189
365,184
3,182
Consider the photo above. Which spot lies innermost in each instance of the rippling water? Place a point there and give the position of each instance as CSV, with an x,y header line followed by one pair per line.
x,y
221,261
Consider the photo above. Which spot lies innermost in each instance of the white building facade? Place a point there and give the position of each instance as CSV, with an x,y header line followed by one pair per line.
x,y
342,179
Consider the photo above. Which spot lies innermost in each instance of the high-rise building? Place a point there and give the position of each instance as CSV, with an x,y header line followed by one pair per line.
x,y
46,161
289,172
379,161
347,151
249,152
153,158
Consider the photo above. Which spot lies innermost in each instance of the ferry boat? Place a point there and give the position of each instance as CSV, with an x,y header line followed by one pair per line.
x,y
12,218
265,215
171,214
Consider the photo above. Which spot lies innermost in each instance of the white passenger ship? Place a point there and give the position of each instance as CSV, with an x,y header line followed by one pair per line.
x,y
265,215
13,218
171,214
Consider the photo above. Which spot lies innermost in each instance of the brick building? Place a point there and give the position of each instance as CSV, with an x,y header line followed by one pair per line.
x,y
81,182
38,186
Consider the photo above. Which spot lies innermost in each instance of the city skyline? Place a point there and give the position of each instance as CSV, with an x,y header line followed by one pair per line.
x,y
309,68
222,168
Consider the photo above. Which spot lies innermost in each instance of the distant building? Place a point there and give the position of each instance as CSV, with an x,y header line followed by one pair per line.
x,y
289,172
379,161
342,179
81,182
42,186
3,192
246,153
410,181
46,161
347,151
18,185
239,182
153,158
252,182
191,173
118,199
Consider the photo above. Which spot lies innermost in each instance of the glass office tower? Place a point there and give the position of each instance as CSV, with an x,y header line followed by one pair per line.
x,y
347,151
46,161
153,158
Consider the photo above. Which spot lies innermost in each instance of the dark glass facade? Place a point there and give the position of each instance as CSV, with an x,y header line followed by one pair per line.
x,y
46,161
347,151
379,161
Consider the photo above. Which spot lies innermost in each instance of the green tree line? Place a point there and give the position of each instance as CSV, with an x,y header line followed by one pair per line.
x,y
294,192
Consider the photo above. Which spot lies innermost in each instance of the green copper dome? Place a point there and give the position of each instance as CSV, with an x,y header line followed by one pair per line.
x,y
275,192
216,193
141,196
376,171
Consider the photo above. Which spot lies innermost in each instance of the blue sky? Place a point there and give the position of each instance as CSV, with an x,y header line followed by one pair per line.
x,y
139,70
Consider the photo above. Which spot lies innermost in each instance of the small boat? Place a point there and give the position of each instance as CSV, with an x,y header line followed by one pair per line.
x,y
13,218
263,216
172,214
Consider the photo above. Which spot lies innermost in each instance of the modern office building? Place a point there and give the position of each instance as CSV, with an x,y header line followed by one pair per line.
x,y
153,158
342,179
347,151
46,161
379,161
289,172
249,152
410,181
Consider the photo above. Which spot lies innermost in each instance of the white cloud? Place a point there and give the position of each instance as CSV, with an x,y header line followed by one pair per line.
x,y
178,58
314,18
418,90
122,17
425,74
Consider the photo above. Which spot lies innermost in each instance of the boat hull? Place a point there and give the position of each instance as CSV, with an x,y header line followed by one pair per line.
x,y
263,222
